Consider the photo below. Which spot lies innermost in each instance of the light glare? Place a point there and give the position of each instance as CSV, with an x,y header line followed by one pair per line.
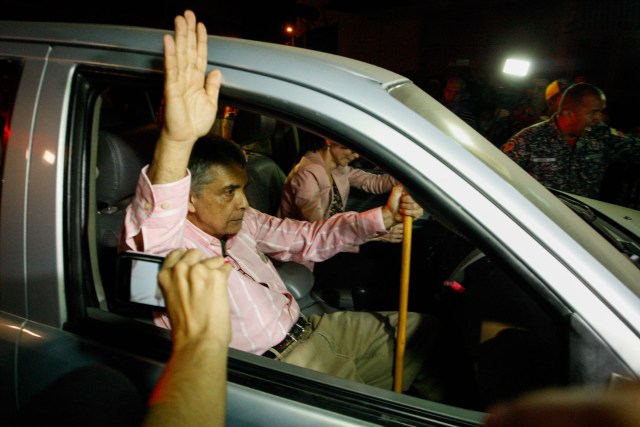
x,y
516,67
49,157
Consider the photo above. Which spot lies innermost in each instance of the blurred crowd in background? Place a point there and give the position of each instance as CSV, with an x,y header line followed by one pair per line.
x,y
499,112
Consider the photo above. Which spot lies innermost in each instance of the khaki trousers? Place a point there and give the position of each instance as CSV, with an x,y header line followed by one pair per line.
x,y
360,346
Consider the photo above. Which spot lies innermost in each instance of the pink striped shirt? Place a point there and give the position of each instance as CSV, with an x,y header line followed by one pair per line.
x,y
262,310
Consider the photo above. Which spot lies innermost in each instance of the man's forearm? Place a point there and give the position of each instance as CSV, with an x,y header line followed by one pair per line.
x,y
170,161
192,389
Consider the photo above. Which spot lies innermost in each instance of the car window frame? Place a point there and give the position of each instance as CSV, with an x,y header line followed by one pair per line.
x,y
88,319
446,203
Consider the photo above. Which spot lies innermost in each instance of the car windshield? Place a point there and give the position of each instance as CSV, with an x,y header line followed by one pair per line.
x,y
423,104
621,238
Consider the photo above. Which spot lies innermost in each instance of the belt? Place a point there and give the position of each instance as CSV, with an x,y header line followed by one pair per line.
x,y
294,335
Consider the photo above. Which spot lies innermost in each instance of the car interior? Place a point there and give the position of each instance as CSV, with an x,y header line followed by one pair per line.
x,y
503,336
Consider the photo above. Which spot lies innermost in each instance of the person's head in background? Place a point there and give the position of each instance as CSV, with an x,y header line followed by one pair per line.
x,y
333,153
454,90
581,109
553,93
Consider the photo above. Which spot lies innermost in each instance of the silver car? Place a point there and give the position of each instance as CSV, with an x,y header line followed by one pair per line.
x,y
548,289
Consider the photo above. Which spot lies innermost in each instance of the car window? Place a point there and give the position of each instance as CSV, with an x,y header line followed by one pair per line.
x,y
501,338
9,78
504,333
125,112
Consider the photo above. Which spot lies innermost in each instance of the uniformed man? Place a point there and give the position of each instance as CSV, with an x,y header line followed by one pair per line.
x,y
571,150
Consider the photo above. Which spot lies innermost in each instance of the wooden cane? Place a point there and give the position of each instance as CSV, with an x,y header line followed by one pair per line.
x,y
404,303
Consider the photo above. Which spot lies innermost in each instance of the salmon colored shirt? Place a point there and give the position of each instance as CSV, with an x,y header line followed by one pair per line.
x,y
308,191
262,310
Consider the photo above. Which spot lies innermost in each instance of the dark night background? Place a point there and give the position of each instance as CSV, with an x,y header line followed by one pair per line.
x,y
420,39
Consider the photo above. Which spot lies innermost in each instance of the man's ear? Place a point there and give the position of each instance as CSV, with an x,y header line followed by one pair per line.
x,y
192,207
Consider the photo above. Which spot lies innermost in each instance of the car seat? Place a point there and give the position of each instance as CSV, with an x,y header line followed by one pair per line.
x,y
253,132
285,146
122,153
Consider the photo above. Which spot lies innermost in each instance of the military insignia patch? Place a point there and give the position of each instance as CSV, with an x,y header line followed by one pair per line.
x,y
508,147
616,132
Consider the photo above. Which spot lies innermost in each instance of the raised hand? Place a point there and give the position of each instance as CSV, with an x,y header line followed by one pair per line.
x,y
191,100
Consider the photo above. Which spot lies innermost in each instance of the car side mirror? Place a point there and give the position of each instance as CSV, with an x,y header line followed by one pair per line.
x,y
137,291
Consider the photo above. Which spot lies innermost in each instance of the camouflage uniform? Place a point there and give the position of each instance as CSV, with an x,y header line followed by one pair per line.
x,y
543,151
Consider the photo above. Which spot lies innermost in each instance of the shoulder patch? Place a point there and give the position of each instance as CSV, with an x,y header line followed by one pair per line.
x,y
508,147
616,132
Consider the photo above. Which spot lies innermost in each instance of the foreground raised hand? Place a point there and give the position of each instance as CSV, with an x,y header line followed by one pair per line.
x,y
195,288
192,388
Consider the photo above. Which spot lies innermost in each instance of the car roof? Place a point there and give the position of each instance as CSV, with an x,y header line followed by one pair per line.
x,y
227,50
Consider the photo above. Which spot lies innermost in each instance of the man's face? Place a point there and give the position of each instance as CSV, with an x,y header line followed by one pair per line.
x,y
452,91
219,208
587,115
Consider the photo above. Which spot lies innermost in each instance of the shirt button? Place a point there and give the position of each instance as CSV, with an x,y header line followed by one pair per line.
x,y
165,206
147,206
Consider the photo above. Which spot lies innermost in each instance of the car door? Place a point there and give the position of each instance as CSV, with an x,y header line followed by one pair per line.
x,y
35,350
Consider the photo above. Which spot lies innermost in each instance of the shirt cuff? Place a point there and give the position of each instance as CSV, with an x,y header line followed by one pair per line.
x,y
374,223
163,199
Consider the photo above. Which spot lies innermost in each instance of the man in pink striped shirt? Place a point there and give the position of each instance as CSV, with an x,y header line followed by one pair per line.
x,y
192,196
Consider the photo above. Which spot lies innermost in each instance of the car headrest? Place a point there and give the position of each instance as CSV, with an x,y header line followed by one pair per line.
x,y
249,127
121,156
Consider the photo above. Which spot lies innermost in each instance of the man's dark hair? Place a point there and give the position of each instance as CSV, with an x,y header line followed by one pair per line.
x,y
572,97
212,150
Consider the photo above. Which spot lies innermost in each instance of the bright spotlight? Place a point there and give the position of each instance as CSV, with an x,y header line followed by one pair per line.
x,y
516,67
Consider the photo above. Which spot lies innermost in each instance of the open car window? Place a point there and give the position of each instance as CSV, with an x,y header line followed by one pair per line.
x,y
505,333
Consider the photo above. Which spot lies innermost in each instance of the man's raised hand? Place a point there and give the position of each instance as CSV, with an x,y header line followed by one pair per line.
x,y
191,101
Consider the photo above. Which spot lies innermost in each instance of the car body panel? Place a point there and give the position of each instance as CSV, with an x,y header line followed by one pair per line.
x,y
10,327
13,268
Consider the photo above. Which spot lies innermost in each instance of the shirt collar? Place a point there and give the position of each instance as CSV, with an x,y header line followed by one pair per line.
x,y
203,238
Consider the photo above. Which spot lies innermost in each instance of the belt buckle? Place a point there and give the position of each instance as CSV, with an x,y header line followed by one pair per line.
x,y
292,336
297,329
